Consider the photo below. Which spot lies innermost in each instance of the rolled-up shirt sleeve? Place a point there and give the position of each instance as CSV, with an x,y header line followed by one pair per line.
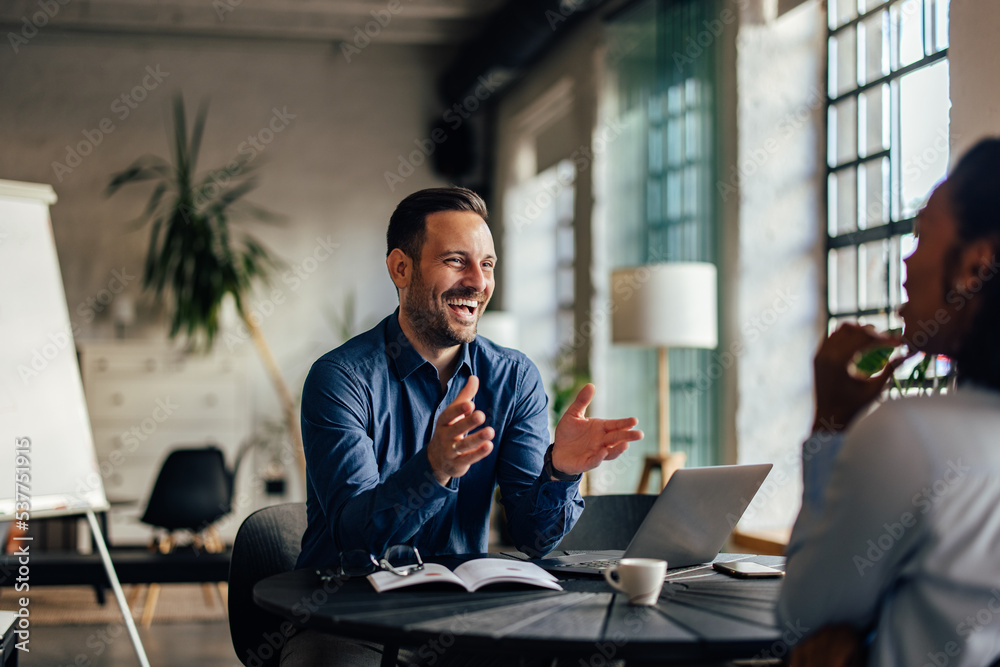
x,y
539,510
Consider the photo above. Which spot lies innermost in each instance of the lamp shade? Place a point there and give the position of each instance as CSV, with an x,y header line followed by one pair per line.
x,y
665,305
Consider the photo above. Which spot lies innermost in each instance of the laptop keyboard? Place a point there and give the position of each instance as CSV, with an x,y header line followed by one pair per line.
x,y
597,564
609,562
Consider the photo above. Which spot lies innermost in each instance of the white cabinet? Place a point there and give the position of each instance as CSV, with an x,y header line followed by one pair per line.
x,y
146,398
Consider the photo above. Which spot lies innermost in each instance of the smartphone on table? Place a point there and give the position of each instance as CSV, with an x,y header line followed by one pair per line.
x,y
747,570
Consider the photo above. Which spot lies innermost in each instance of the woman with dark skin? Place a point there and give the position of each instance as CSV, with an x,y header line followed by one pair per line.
x,y
894,557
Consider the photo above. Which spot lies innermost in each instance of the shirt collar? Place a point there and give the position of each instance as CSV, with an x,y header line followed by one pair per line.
x,y
405,357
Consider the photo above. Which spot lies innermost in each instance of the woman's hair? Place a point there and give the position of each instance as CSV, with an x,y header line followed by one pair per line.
x,y
974,189
408,224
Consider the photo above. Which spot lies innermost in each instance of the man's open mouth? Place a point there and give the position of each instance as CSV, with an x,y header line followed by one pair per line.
x,y
464,308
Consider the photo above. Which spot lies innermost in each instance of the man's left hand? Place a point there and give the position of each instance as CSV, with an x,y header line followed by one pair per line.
x,y
582,443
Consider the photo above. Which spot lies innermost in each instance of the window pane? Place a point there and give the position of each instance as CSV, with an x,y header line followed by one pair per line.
x,y
832,209
908,17
835,323
842,11
844,200
564,286
873,117
873,34
880,322
873,259
844,126
846,62
675,140
924,116
873,186
655,150
675,196
564,244
843,280
868,5
941,8
691,190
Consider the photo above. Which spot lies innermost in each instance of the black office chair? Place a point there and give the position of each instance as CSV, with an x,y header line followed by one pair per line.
x,y
608,522
268,542
193,490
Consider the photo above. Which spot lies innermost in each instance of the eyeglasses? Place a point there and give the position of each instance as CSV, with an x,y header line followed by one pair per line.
x,y
400,559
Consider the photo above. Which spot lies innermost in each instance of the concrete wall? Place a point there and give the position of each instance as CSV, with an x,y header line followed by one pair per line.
x,y
342,126
779,180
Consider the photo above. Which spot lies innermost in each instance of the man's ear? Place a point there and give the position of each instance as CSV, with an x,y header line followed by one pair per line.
x,y
978,264
400,267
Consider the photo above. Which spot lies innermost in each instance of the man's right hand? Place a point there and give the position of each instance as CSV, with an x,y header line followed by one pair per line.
x,y
452,451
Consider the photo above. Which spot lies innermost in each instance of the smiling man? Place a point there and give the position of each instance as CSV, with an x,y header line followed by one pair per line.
x,y
409,427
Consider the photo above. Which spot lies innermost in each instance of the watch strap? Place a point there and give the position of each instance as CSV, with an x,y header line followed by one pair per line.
x,y
550,470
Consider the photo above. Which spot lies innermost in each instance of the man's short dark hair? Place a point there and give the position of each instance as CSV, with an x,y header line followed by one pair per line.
x,y
408,224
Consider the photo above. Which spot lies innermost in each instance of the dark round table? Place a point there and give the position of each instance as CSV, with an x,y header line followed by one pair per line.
x,y
701,616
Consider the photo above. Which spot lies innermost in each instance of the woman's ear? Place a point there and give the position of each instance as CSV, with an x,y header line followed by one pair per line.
x,y
400,268
978,265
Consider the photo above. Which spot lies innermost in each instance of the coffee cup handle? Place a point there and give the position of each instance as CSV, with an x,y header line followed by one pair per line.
x,y
609,576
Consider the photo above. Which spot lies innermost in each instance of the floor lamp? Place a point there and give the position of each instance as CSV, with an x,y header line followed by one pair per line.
x,y
663,306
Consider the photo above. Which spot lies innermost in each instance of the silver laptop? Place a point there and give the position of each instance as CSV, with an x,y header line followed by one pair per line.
x,y
688,523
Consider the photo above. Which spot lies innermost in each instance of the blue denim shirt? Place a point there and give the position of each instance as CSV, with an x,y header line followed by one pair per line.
x,y
368,412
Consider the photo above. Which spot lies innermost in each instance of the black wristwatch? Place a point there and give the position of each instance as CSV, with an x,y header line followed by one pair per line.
x,y
550,470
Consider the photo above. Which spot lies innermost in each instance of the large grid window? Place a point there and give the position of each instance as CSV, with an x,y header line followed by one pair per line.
x,y
660,198
887,145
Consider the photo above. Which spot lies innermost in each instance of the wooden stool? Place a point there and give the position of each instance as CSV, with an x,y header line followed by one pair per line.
x,y
666,464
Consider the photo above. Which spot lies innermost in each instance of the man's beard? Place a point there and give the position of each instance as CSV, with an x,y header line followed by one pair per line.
x,y
429,319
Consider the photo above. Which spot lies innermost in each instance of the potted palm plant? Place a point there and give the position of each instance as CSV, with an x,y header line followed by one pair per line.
x,y
195,259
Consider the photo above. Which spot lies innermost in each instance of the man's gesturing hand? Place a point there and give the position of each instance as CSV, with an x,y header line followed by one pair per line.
x,y
452,451
581,443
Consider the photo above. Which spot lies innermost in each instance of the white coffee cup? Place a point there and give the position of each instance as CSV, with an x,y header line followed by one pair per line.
x,y
639,578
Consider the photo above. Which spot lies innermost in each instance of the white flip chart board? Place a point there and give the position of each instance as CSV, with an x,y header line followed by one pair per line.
x,y
43,413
